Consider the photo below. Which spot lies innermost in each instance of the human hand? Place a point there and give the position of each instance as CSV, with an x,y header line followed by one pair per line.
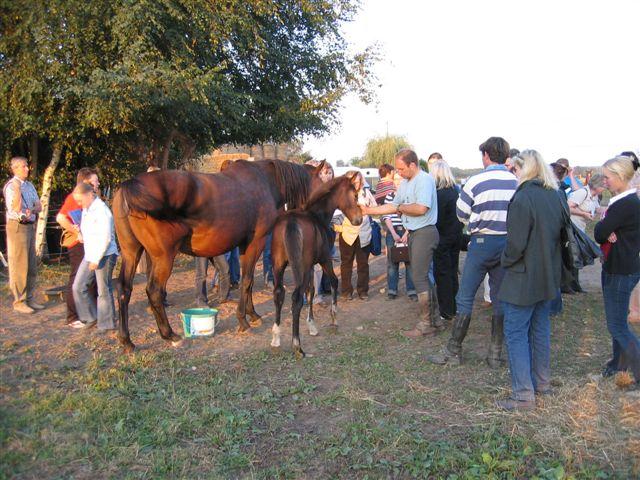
x,y
612,238
587,215
364,209
93,266
405,237
570,171
27,212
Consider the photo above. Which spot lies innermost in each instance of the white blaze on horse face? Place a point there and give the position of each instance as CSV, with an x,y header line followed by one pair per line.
x,y
275,335
313,330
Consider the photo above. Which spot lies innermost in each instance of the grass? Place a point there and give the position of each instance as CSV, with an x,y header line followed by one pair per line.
x,y
366,405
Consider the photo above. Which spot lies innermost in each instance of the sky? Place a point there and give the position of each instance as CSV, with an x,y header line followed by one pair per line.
x,y
562,77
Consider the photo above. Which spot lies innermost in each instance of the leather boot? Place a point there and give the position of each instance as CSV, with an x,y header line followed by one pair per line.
x,y
494,357
430,323
452,352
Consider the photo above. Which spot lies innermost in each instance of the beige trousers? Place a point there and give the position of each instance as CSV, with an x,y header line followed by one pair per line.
x,y
21,252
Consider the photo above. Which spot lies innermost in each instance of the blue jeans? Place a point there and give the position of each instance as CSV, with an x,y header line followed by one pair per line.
x,y
527,330
393,271
483,257
105,311
555,308
233,259
616,290
267,265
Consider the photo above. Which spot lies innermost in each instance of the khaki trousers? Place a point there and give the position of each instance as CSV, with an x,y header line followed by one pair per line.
x,y
21,250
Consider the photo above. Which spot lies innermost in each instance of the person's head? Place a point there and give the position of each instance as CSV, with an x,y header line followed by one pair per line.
x,y
84,194
634,159
564,162
529,165
385,171
494,150
20,167
509,162
406,162
433,158
326,174
596,184
618,172
89,175
559,170
441,173
356,178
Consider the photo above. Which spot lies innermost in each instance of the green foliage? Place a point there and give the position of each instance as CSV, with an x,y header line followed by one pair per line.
x,y
160,81
381,150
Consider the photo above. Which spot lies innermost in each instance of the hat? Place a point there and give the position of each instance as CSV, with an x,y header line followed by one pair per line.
x,y
563,161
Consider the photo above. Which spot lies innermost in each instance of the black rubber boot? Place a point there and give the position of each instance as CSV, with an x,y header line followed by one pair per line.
x,y
494,357
452,352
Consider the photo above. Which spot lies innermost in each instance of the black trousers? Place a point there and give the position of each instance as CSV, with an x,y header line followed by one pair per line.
x,y
445,271
76,254
347,255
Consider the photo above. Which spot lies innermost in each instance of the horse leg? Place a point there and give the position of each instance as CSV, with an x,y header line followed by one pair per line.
x,y
313,330
327,267
245,304
298,294
130,258
278,300
156,291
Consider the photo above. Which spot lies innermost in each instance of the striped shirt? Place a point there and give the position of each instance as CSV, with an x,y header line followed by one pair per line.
x,y
396,220
484,201
18,203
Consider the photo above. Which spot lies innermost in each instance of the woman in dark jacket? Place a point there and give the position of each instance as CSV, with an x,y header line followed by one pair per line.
x,y
619,235
532,261
446,255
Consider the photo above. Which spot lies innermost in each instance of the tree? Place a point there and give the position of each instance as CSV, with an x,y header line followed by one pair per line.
x,y
381,150
162,81
340,163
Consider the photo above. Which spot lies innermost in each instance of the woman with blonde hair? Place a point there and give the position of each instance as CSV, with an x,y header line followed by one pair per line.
x,y
532,261
619,234
355,243
447,254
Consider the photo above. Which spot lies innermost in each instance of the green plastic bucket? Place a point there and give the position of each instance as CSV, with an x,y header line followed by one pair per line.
x,y
199,322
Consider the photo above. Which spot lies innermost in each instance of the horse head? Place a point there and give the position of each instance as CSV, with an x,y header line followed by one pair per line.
x,y
348,200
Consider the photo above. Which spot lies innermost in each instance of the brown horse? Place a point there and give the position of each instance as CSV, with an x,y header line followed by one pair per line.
x,y
303,238
204,215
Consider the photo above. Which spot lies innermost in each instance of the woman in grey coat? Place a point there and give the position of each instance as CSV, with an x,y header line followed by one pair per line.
x,y
532,260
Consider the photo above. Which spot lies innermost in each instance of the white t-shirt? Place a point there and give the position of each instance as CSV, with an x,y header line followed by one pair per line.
x,y
583,199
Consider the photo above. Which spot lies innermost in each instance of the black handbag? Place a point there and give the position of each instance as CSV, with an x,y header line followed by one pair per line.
x,y
567,242
399,253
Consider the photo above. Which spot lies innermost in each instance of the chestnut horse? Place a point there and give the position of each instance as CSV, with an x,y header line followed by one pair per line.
x,y
303,238
204,215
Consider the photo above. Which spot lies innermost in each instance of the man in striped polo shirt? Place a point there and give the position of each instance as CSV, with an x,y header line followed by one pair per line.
x,y
482,206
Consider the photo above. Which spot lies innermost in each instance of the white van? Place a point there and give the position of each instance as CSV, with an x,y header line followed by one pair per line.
x,y
370,174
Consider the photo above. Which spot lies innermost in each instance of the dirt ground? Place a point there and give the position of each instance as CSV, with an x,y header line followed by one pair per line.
x,y
584,422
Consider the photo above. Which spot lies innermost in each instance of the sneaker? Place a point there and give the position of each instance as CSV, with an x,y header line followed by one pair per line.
x,y
90,324
413,297
363,296
76,324
391,296
23,308
512,405
36,306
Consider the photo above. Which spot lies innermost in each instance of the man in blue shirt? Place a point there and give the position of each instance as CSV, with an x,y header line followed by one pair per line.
x,y
417,203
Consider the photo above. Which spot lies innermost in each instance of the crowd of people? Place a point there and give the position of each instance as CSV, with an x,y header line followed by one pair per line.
x,y
522,222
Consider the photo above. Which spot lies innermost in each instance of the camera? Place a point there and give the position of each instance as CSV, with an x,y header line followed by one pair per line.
x,y
22,218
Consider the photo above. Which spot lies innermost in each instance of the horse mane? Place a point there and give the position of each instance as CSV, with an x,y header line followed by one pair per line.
x,y
319,195
293,180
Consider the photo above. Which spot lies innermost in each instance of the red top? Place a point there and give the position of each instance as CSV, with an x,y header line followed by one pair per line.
x,y
69,206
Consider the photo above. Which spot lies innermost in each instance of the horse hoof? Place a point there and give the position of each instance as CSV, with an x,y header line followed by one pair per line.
x,y
276,350
128,349
175,343
243,331
313,330
299,354
333,329
255,322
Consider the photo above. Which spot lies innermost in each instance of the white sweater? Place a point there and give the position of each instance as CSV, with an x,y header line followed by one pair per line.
x,y
98,233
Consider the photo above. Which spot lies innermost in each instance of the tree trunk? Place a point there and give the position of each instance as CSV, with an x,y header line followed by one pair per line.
x,y
41,238
166,149
33,153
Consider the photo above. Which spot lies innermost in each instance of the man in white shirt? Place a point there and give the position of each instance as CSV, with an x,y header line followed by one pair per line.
x,y
23,205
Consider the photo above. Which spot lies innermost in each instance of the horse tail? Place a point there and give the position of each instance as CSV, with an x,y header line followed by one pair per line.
x,y
293,244
162,195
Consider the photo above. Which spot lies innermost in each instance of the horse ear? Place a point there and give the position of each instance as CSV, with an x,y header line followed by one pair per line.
x,y
321,166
